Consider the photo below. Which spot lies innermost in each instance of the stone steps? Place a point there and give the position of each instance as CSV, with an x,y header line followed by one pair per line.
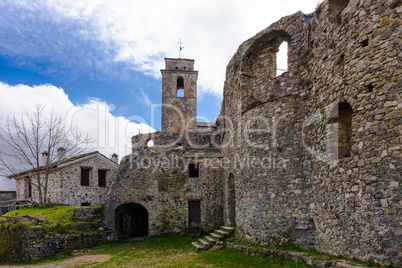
x,y
198,246
216,236
220,232
228,228
210,239
213,238
204,243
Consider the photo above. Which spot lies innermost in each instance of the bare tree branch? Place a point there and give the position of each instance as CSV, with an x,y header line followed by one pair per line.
x,y
27,138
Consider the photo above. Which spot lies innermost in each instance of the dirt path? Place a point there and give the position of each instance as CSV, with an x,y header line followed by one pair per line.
x,y
79,260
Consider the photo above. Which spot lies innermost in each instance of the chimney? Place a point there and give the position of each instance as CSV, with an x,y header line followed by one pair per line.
x,y
44,158
115,158
61,154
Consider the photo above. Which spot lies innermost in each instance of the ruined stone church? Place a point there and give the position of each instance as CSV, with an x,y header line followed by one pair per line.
x,y
309,157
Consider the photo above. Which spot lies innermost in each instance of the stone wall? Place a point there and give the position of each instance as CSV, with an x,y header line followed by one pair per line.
x,y
7,195
321,142
157,178
39,242
35,247
179,112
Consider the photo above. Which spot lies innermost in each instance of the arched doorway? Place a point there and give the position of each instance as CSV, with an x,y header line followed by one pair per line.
x,y
231,200
131,220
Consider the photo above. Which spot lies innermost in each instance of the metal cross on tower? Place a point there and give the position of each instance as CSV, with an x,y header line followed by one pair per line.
x,y
181,48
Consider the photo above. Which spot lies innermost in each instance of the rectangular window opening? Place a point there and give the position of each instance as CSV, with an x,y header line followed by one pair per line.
x,y
85,176
102,178
194,170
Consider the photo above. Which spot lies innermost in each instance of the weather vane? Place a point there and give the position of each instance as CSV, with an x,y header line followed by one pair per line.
x,y
181,48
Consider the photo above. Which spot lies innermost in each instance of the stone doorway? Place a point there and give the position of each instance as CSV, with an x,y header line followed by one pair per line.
x,y
131,221
231,201
194,214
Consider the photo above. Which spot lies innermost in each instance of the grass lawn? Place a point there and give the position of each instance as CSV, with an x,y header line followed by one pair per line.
x,y
178,252
52,216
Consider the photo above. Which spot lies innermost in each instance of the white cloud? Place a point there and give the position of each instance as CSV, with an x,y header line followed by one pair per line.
x,y
140,33
111,133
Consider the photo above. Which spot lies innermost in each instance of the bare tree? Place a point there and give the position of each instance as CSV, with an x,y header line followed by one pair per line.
x,y
25,140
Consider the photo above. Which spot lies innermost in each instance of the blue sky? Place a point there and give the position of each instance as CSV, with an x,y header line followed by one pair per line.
x,y
109,54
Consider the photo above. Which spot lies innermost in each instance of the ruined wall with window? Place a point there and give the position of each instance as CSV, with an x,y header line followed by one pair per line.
x,y
166,179
320,143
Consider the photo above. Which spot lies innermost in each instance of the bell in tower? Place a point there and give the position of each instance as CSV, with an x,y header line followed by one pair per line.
x,y
179,95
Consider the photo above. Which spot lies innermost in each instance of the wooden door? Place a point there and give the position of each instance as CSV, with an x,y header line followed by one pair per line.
x,y
194,214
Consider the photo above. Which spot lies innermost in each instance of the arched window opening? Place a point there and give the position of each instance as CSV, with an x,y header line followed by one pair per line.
x,y
150,143
282,59
180,83
180,87
341,123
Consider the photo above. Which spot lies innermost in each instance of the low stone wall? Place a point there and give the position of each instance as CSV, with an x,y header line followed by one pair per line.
x,y
316,261
36,246
88,213
7,195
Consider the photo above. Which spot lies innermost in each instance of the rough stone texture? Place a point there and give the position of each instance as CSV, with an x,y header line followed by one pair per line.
x,y
319,144
7,195
179,113
304,235
293,255
324,136
157,177
64,185
37,247
39,242
88,213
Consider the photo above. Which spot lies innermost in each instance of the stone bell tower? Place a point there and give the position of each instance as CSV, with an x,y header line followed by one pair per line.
x,y
179,95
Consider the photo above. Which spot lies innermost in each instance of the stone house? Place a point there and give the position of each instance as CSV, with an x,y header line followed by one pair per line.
x,y
309,157
80,180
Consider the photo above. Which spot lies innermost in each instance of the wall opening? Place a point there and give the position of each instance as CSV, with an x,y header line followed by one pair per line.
x,y
282,59
180,87
340,122
102,178
194,170
131,220
194,214
231,195
180,82
85,176
150,143
364,43
85,204
180,93
29,190
335,9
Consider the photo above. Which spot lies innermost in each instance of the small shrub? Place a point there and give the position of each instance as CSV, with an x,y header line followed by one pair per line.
x,y
11,234
370,263
318,9
395,3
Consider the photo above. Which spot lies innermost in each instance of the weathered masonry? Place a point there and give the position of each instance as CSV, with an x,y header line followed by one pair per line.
x,y
80,180
327,132
171,183
310,157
